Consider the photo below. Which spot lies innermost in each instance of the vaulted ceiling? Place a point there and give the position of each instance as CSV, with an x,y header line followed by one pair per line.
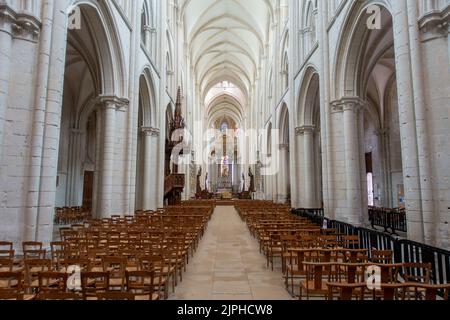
x,y
227,39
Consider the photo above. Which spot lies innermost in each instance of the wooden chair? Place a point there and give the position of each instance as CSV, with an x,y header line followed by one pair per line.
x,y
6,264
382,256
6,246
162,272
31,246
116,267
7,254
141,284
328,241
389,292
54,282
287,243
83,264
389,281
428,292
416,272
35,254
346,291
274,249
11,286
32,269
295,268
57,250
350,242
93,283
317,275
355,255
33,250
351,273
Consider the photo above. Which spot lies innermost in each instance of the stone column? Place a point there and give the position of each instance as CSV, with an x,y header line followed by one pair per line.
x,y
308,154
109,106
350,107
299,168
430,50
408,130
5,63
149,192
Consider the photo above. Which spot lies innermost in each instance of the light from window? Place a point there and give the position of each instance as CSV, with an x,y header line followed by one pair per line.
x,y
370,193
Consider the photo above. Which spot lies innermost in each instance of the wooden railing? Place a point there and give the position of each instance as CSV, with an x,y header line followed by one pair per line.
x,y
174,181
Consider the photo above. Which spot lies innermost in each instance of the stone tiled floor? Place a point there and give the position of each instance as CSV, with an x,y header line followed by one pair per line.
x,y
228,265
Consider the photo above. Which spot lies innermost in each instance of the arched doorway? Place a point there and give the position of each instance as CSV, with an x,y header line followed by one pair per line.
x,y
383,163
147,147
86,142
370,116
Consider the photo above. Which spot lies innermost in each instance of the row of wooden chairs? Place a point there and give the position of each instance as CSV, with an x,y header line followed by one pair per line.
x,y
334,279
160,242
139,285
326,264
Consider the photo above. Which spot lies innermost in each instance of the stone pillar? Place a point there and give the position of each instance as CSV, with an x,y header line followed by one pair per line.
x,y
149,192
430,50
350,107
109,106
299,168
147,174
308,154
408,131
5,63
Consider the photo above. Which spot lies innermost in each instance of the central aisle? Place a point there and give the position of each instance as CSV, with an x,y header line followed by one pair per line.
x,y
228,265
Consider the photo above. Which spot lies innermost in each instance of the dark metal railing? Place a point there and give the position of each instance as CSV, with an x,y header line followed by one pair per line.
x,y
405,251
393,219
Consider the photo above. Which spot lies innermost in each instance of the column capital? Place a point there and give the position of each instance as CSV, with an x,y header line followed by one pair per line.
x,y
435,19
20,23
348,104
113,102
306,129
150,131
